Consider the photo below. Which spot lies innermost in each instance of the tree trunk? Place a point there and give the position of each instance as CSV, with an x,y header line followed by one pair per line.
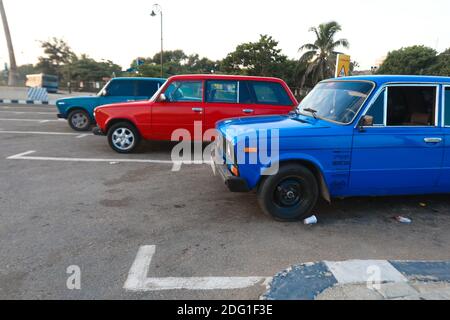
x,y
12,79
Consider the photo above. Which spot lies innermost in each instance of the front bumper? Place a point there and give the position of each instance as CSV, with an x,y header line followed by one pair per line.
x,y
235,184
98,132
60,116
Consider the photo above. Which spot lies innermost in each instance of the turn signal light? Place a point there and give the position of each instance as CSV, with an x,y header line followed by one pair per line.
x,y
235,171
251,150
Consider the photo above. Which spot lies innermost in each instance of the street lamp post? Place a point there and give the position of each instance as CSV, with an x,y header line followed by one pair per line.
x,y
158,10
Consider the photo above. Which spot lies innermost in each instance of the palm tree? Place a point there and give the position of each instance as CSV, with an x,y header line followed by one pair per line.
x,y
12,80
320,56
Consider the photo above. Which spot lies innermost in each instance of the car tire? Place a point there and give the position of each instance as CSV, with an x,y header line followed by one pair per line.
x,y
290,195
123,137
79,120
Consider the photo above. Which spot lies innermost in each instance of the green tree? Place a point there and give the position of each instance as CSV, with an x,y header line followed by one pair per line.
x,y
415,60
57,55
261,58
320,56
176,62
442,65
85,68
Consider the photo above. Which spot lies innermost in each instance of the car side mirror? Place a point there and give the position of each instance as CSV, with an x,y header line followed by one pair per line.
x,y
162,98
104,93
366,121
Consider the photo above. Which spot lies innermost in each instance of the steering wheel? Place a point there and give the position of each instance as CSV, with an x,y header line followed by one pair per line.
x,y
349,115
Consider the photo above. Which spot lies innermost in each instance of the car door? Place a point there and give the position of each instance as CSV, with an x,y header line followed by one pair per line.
x,y
182,109
444,182
117,91
221,101
266,98
402,152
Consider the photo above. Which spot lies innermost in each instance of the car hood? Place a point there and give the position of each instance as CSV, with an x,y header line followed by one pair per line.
x,y
287,126
107,107
75,100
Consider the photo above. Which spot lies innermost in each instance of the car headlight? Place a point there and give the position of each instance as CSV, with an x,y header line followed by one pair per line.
x,y
229,151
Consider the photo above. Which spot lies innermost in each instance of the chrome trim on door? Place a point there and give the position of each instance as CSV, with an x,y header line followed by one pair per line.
x,y
432,140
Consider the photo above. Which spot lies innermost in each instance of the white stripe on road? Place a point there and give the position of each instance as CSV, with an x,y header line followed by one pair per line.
x,y
41,133
137,278
23,112
32,120
24,156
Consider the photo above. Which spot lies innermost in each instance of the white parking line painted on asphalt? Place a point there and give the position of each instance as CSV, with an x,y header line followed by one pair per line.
x,y
24,112
32,120
138,281
40,133
24,156
81,136
39,108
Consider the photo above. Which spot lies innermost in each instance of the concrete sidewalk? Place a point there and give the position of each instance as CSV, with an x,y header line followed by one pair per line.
x,y
414,290
363,280
19,95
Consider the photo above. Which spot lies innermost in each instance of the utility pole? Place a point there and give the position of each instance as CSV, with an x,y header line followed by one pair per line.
x,y
12,79
157,9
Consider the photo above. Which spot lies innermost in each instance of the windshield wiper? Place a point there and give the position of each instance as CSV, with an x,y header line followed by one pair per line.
x,y
312,111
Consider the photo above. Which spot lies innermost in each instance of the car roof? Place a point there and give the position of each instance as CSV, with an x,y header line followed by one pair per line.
x,y
222,77
382,79
138,79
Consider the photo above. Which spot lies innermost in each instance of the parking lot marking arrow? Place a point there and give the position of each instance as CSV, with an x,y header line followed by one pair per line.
x,y
139,282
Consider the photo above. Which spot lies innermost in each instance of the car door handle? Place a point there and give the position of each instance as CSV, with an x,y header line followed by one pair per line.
x,y
432,140
197,109
248,111
130,100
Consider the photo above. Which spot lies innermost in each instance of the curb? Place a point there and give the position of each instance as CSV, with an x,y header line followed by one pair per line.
x,y
307,281
28,102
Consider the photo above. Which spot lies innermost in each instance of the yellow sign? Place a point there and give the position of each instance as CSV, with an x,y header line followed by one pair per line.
x,y
342,65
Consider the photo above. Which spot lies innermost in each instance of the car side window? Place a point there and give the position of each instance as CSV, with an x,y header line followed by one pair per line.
x,y
447,106
147,88
411,106
185,91
222,91
121,88
244,93
377,110
269,93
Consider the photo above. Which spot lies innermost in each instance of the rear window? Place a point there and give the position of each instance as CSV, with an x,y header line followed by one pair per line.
x,y
147,88
271,93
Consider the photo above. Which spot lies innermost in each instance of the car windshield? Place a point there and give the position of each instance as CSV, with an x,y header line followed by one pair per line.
x,y
100,93
158,92
337,101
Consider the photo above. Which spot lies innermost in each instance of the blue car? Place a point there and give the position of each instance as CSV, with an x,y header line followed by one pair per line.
x,y
79,111
353,136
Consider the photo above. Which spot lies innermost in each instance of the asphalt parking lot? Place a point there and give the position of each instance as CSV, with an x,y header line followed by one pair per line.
x,y
66,199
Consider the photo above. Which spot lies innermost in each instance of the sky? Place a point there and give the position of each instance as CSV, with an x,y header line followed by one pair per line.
x,y
124,30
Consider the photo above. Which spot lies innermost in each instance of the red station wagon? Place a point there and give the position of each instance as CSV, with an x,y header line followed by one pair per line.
x,y
186,100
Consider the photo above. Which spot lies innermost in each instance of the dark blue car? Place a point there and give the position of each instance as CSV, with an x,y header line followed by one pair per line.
x,y
355,136
79,111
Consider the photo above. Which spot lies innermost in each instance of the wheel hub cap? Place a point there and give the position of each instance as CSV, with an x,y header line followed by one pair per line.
x,y
79,120
123,139
288,193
